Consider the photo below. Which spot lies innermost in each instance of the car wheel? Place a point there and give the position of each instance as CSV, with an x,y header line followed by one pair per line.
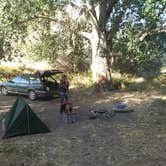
x,y
4,91
32,95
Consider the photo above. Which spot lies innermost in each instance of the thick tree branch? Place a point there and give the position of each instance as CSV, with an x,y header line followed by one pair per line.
x,y
94,19
50,19
152,32
115,27
47,18
102,14
93,14
110,8
93,10
86,35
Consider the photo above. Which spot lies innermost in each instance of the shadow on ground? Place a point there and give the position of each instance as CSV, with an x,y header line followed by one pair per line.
x,y
135,139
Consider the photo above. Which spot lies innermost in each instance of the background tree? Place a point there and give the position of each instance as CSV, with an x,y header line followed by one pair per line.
x,y
141,40
43,30
130,28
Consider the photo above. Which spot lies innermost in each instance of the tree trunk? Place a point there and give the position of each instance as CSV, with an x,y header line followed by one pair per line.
x,y
100,64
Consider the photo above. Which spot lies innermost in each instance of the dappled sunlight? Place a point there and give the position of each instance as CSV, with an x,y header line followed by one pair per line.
x,y
158,97
4,107
132,100
136,100
4,110
35,65
128,96
80,80
100,102
128,134
163,98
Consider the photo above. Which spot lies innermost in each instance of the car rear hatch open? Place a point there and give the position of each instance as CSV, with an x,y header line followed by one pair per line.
x,y
50,81
48,73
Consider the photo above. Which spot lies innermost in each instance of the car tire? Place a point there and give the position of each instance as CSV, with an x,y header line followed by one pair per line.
x,y
4,91
32,95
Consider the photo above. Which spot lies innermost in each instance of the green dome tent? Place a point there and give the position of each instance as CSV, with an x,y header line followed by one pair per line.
x,y
21,120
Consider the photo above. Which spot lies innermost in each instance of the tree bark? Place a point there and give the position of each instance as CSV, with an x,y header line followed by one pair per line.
x,y
100,63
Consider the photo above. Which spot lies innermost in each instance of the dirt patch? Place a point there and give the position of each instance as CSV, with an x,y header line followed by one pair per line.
x,y
132,139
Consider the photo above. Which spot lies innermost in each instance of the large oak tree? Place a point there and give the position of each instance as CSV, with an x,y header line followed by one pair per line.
x,y
108,17
105,17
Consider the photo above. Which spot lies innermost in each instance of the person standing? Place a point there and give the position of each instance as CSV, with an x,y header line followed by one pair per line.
x,y
64,88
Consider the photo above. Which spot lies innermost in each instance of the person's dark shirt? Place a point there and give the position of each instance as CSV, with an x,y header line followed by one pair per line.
x,y
64,85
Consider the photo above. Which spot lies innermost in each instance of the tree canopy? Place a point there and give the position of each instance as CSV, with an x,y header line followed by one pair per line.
x,y
130,35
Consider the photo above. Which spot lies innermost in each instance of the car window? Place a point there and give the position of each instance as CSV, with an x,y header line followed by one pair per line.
x,y
34,80
24,80
16,79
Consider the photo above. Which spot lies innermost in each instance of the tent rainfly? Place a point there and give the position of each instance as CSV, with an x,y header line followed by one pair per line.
x,y
21,120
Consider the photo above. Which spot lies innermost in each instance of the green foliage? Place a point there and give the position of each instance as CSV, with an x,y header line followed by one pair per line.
x,y
17,19
8,72
59,48
26,31
80,80
141,54
131,83
144,86
138,58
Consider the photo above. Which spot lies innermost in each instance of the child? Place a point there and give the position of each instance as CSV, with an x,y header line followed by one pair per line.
x,y
64,87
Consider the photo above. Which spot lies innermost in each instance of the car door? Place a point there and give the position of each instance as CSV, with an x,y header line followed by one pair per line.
x,y
23,85
12,84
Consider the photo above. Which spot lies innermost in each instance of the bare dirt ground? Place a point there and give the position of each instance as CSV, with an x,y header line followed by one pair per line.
x,y
129,139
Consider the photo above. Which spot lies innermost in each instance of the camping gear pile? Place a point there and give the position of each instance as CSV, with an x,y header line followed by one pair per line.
x,y
109,112
101,114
